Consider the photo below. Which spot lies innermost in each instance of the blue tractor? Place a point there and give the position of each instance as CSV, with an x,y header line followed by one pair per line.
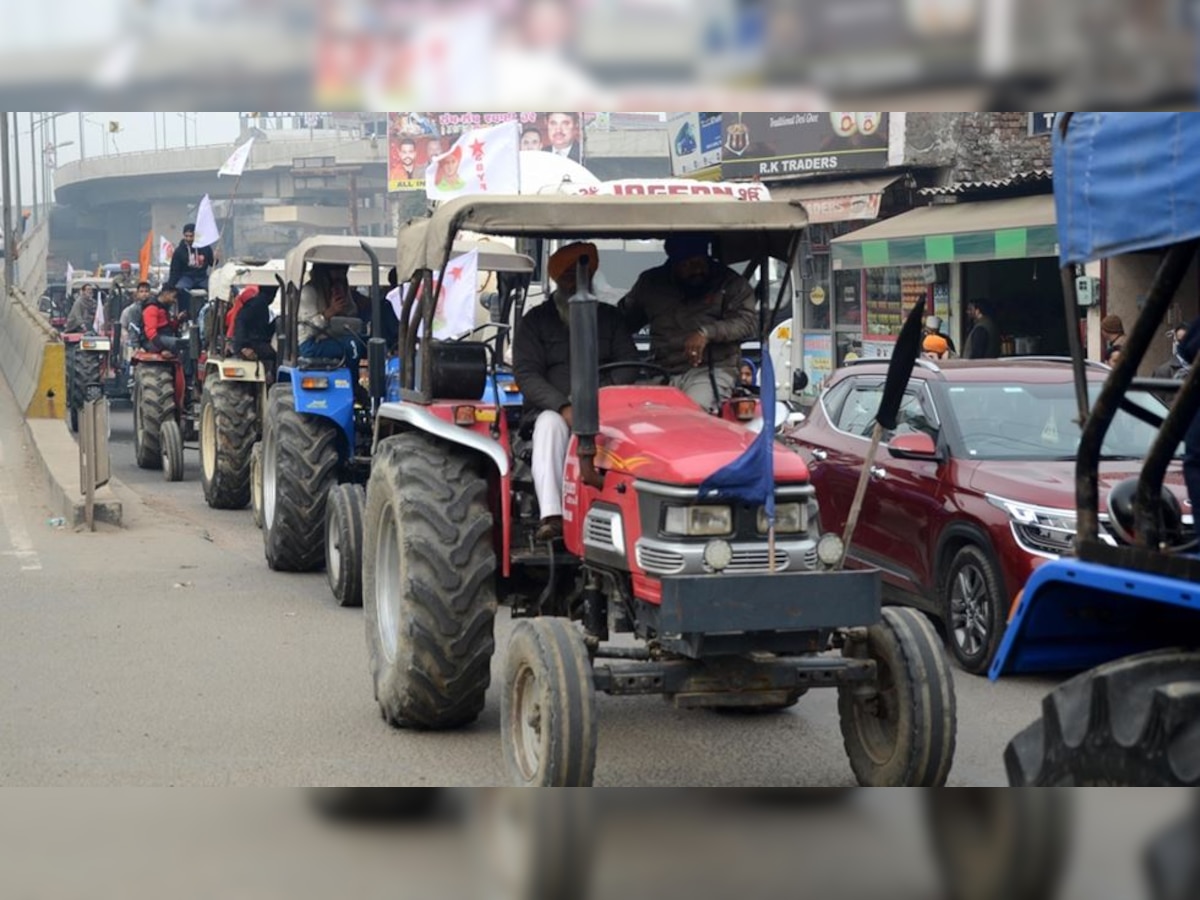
x,y
318,419
1125,609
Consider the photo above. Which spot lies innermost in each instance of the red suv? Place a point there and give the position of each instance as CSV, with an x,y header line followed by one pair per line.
x,y
975,488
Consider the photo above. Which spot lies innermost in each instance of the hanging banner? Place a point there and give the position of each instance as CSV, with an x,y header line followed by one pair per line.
x,y
673,187
694,141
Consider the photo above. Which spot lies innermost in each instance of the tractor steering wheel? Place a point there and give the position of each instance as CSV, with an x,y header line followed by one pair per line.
x,y
654,368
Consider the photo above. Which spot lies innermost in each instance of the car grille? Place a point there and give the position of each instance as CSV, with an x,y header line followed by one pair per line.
x,y
659,561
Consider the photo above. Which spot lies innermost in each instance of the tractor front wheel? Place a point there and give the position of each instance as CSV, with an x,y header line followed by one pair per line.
x,y
256,483
343,543
548,706
171,439
901,730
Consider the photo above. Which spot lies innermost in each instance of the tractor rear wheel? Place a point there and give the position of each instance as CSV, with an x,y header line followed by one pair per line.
x,y
904,734
996,844
548,706
171,439
300,465
429,591
1130,723
228,429
343,543
153,404
85,370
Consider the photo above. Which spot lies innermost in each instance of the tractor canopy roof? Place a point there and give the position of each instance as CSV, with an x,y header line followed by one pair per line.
x,y
244,272
96,281
414,248
741,230
336,249
1107,165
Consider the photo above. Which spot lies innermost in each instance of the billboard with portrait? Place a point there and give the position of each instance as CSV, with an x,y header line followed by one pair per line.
x,y
415,138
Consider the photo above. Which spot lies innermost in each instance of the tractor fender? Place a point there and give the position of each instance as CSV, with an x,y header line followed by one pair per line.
x,y
394,417
1075,615
235,369
335,402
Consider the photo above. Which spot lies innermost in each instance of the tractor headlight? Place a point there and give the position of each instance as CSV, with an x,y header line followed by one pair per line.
x,y
699,521
790,518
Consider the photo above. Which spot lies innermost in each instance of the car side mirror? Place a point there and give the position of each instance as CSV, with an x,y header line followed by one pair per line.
x,y
799,381
916,446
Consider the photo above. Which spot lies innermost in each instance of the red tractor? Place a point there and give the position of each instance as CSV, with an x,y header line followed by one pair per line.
x,y
717,619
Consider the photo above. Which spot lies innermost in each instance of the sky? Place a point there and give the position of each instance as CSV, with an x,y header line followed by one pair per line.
x,y
139,131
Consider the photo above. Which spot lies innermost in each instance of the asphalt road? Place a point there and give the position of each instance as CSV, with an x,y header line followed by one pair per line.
x,y
167,653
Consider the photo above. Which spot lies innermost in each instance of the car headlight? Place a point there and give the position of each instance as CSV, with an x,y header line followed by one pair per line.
x,y
699,521
790,518
1038,528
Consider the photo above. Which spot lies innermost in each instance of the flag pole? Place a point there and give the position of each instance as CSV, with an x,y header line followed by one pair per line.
x,y
229,218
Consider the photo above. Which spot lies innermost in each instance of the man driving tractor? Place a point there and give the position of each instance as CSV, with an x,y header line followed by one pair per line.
x,y
328,296
542,366
83,311
699,312
159,323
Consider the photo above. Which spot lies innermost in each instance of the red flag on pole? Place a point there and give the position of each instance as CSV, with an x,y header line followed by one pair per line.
x,y
144,256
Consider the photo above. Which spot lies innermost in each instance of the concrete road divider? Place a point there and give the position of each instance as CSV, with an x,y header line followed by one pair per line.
x,y
32,358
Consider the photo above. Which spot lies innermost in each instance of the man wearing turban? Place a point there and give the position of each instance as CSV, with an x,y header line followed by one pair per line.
x,y
699,312
542,368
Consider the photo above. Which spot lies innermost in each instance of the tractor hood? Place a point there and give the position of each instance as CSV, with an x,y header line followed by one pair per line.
x,y
658,434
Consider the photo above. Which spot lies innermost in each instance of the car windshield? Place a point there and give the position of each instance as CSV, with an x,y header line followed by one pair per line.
x,y
1037,422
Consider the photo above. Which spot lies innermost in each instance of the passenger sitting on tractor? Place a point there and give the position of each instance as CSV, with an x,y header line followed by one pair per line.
x,y
160,326
131,318
189,267
328,296
83,311
250,326
699,313
542,367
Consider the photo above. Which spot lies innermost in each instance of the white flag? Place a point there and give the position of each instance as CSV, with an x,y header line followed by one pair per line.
x,y
207,233
98,318
455,312
70,275
165,250
484,161
237,160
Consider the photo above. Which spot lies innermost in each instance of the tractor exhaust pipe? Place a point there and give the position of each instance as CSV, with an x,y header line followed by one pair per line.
x,y
585,373
376,346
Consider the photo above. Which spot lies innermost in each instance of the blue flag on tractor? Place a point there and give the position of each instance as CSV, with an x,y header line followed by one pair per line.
x,y
751,477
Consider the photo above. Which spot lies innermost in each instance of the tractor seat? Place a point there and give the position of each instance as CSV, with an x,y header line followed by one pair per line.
x,y
321,363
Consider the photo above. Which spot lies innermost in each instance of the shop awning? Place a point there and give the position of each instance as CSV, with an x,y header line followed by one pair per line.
x,y
1018,228
839,201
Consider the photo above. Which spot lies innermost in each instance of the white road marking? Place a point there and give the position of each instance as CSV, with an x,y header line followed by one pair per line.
x,y
14,522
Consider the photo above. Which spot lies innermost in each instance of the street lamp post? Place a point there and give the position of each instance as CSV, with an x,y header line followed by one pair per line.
x,y
33,167
6,207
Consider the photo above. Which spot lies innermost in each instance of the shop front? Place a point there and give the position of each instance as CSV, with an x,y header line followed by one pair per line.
x,y
1002,252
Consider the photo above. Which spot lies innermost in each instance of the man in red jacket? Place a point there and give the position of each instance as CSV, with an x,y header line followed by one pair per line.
x,y
160,330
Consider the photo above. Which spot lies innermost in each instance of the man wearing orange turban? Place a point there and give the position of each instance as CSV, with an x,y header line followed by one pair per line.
x,y
542,367
935,347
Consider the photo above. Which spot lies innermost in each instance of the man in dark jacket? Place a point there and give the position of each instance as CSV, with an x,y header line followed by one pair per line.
x,y
983,341
83,311
699,313
251,328
189,267
542,367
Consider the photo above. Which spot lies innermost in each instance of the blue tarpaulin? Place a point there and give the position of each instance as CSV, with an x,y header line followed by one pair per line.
x,y
1125,182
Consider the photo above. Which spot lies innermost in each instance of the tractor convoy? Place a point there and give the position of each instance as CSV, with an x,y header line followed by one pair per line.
x,y
392,455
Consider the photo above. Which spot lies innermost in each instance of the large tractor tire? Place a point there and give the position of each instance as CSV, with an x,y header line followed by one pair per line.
x,y
905,735
85,370
228,429
1130,723
153,404
548,706
300,466
171,439
343,543
429,591
994,844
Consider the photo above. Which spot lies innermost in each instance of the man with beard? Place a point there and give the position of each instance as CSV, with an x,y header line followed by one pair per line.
x,y
699,312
